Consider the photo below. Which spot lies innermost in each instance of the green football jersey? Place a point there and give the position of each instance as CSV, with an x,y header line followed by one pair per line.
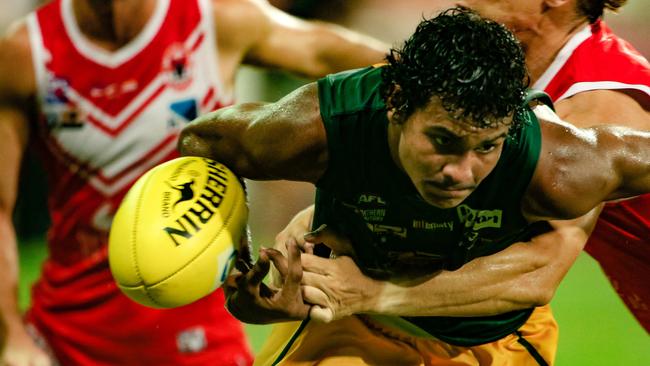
x,y
365,196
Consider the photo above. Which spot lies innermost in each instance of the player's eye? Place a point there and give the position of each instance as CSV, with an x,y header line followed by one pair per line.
x,y
441,141
486,148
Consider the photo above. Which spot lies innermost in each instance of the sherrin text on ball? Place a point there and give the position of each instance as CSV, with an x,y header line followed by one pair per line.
x,y
174,237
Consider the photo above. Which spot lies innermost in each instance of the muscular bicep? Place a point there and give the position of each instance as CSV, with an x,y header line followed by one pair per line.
x,y
580,168
282,140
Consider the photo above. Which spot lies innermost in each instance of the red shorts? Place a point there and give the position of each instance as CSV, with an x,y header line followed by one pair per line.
x,y
85,320
621,244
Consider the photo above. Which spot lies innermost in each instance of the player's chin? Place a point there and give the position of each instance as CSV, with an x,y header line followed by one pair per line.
x,y
445,199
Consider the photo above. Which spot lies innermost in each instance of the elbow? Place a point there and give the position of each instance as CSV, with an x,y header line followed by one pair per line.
x,y
535,288
539,289
542,296
530,296
190,143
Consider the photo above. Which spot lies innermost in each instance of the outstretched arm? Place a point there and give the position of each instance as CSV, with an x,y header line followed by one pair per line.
x,y
282,140
17,87
256,33
523,275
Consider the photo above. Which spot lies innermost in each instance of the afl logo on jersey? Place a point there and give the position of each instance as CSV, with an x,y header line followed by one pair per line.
x,y
177,64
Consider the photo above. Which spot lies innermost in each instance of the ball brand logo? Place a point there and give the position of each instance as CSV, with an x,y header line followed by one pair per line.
x,y
186,191
203,208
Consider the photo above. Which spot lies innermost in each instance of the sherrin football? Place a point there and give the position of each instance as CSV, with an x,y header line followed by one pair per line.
x,y
175,234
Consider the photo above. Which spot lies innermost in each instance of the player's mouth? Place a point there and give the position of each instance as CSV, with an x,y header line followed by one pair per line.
x,y
446,191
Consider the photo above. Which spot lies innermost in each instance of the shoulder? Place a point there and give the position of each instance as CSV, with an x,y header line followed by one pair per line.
x,y
555,183
240,24
16,70
351,91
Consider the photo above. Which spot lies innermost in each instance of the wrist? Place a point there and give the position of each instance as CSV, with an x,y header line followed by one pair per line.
x,y
391,299
372,293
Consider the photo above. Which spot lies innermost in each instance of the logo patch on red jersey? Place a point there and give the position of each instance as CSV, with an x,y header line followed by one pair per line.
x,y
192,340
177,64
58,109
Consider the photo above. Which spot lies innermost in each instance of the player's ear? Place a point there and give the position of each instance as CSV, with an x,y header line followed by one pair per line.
x,y
394,91
391,101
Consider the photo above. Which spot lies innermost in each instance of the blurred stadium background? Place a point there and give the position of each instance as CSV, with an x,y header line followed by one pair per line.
x,y
595,327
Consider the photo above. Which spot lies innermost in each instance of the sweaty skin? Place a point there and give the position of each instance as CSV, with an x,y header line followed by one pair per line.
x,y
525,274
246,137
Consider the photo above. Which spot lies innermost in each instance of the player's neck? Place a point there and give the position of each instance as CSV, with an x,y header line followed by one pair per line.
x,y
552,36
112,24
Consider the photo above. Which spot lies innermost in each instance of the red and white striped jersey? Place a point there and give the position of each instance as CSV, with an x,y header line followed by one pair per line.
x,y
107,117
596,59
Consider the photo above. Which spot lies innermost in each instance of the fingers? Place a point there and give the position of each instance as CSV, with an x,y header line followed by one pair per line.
x,y
279,261
314,296
314,235
308,248
312,279
230,283
321,314
339,244
295,230
244,252
294,268
242,266
259,270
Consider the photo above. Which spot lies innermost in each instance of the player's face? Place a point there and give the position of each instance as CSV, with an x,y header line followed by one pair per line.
x,y
446,159
521,16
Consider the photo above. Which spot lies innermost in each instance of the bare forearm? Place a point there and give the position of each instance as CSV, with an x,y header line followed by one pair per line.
x,y
342,49
272,38
13,134
522,276
8,272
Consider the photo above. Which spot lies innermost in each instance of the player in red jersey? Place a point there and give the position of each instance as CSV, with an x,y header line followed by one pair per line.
x,y
592,75
101,89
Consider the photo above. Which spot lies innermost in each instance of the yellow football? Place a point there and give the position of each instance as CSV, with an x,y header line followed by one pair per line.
x,y
174,238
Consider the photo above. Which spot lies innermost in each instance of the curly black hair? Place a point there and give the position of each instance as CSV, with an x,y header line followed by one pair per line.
x,y
475,66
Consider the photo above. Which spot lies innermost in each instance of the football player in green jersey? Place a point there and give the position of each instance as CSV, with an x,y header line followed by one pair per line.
x,y
426,163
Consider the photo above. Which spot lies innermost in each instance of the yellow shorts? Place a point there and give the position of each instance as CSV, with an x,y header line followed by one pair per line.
x,y
359,340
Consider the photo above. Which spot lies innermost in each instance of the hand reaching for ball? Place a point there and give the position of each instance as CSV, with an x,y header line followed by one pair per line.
x,y
252,301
